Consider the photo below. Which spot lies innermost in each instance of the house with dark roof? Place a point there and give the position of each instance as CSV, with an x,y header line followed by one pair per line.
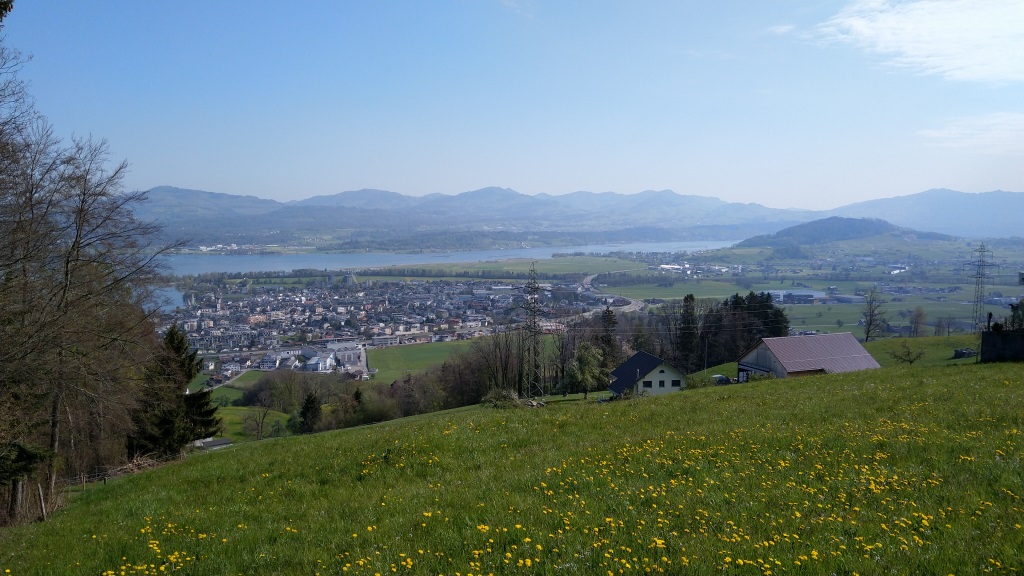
x,y
803,355
646,374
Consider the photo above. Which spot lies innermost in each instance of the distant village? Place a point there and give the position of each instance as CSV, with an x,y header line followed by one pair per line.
x,y
327,326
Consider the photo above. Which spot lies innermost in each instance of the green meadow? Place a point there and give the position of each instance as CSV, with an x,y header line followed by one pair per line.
x,y
935,350
562,265
394,362
246,379
902,470
491,270
233,419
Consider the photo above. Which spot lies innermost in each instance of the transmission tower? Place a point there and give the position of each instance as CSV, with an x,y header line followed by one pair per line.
x,y
980,266
534,378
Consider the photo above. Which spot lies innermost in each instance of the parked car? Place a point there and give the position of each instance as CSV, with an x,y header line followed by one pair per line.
x,y
721,379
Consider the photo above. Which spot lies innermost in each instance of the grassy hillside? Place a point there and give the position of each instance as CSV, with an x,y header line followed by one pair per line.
x,y
938,350
899,470
394,362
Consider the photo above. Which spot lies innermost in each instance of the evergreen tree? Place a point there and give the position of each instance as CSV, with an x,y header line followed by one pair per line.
x,y
607,341
685,334
641,340
169,418
309,415
201,415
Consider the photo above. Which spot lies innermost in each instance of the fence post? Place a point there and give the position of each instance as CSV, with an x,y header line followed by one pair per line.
x,y
42,504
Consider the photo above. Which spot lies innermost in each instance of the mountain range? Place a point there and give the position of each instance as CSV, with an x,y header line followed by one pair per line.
x,y
378,219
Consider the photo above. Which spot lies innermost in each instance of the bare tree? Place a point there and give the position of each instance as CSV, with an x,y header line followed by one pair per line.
x,y
917,319
906,355
76,275
255,421
502,357
874,315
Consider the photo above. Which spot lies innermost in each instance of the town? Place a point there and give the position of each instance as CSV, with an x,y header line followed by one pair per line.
x,y
327,325
322,321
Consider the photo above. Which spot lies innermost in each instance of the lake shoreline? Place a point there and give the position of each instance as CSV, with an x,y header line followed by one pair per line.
x,y
192,263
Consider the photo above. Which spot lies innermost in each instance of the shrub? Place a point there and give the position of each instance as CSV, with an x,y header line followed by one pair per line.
x,y
699,381
501,398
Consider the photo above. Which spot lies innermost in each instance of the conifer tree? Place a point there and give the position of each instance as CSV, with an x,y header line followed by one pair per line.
x,y
170,418
611,352
201,415
309,415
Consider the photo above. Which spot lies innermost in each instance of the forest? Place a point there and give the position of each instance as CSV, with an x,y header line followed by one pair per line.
x,y
86,382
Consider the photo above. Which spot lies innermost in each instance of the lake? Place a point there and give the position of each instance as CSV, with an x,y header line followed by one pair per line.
x,y
183,264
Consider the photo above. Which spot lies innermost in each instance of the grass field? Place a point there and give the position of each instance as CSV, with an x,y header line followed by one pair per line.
x,y
233,418
394,362
246,379
566,265
900,470
226,392
938,350
198,383
562,265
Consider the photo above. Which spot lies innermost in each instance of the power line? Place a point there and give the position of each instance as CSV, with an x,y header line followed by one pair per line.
x,y
980,276
534,380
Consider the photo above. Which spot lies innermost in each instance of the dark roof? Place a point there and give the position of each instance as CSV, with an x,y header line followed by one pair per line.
x,y
214,443
832,353
627,374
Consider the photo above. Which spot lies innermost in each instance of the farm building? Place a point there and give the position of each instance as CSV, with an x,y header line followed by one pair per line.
x,y
645,373
802,355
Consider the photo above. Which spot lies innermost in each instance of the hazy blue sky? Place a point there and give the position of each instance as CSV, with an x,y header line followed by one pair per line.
x,y
786,103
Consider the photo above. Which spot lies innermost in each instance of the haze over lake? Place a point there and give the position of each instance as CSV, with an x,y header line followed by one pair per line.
x,y
184,264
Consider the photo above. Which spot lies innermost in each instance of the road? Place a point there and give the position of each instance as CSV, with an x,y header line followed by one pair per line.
x,y
633,306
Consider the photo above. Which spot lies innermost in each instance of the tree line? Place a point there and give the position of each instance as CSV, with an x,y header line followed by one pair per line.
x,y
85,381
517,362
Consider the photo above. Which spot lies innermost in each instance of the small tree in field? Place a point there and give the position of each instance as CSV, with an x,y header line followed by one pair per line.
x,y
906,355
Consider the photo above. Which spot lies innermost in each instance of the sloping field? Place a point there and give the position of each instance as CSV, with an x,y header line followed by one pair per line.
x,y
395,362
892,471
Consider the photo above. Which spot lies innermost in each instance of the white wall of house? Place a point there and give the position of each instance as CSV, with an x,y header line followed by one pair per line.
x,y
661,380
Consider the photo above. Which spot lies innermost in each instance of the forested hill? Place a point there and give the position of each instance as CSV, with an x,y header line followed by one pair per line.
x,y
835,229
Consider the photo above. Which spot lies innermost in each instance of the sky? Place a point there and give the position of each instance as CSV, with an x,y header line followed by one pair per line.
x,y
787,103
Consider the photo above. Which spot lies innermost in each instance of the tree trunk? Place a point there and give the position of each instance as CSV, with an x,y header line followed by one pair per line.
x,y
51,472
17,496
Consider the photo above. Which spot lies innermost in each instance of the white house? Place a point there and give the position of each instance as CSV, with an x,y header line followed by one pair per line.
x,y
270,362
646,374
324,363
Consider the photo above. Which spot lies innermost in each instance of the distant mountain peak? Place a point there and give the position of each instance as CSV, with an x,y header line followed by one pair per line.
x,y
492,191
